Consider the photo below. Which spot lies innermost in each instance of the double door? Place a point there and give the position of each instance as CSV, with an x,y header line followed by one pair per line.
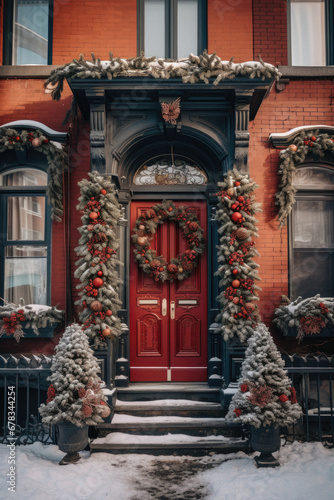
x,y
168,321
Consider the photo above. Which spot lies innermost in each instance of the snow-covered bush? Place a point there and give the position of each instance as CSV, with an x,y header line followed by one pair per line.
x,y
75,393
265,395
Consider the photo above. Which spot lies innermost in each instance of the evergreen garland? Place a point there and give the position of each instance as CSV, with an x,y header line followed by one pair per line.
x,y
75,393
265,395
156,266
306,143
56,158
97,266
191,70
34,316
308,316
237,269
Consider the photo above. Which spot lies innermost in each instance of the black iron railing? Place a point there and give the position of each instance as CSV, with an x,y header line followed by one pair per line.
x,y
23,387
313,378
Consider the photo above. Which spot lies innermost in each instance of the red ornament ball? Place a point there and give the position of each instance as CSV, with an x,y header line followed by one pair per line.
x,y
236,300
142,227
93,215
100,273
250,307
103,191
193,226
234,206
108,312
36,142
230,191
242,233
97,282
96,306
141,241
235,283
235,271
237,183
17,138
180,269
283,398
236,216
161,269
90,227
241,199
172,268
170,209
293,148
244,388
313,138
106,332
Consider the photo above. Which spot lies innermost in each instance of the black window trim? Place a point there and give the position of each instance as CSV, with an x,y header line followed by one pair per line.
x,y
5,193
8,19
305,194
329,20
171,27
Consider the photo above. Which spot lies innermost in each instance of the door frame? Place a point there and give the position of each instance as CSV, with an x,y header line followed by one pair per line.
x,y
121,348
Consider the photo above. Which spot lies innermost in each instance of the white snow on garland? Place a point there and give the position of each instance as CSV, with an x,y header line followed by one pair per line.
x,y
191,69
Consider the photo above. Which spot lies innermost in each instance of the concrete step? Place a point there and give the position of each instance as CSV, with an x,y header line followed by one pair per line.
x,y
149,445
168,390
201,410
191,427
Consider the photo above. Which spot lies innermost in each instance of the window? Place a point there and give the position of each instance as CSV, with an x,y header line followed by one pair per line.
x,y
25,236
312,233
168,172
28,31
171,28
311,32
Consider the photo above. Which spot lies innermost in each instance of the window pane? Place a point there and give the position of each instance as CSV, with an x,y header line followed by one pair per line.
x,y
24,177
313,273
163,171
314,178
26,274
313,223
26,215
307,33
154,28
31,28
187,27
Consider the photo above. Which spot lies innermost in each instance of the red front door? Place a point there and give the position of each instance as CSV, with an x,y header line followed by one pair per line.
x,y
168,321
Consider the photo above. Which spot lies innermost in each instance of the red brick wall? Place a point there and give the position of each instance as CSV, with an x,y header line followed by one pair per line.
x,y
99,26
1,29
301,103
230,30
270,31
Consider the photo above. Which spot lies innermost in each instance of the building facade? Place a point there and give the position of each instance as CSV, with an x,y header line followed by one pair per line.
x,y
169,329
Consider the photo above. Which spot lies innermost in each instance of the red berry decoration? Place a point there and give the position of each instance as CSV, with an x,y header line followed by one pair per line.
x,y
241,199
234,206
97,282
306,142
311,144
17,138
100,273
237,183
103,191
235,283
93,215
170,209
313,138
108,312
46,141
236,217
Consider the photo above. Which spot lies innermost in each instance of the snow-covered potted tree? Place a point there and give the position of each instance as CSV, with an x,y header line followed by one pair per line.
x,y
265,398
75,399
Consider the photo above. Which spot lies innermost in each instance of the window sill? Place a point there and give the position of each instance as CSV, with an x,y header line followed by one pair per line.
x,y
301,72
33,71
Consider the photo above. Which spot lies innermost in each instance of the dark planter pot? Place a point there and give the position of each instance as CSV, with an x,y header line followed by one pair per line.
x,y
266,440
71,440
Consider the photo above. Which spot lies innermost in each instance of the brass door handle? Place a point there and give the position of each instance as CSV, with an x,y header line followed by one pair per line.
x,y
172,310
164,307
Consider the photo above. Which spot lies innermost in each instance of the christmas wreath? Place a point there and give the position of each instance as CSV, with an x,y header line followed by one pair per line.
x,y
180,267
56,158
304,144
237,270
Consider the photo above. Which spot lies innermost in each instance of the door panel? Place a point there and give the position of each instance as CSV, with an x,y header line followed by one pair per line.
x,y
168,321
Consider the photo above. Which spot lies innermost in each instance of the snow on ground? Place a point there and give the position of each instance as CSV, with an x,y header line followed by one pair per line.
x,y
122,418
165,402
306,473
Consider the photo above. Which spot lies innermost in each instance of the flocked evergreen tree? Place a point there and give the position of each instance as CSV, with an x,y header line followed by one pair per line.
x,y
265,395
97,266
75,393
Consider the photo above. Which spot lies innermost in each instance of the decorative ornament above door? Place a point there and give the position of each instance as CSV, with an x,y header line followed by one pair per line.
x,y
156,266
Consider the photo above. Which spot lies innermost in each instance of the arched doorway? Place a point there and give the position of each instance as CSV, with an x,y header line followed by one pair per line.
x,y
168,320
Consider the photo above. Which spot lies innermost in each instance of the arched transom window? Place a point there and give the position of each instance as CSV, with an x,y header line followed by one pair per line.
x,y
170,171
